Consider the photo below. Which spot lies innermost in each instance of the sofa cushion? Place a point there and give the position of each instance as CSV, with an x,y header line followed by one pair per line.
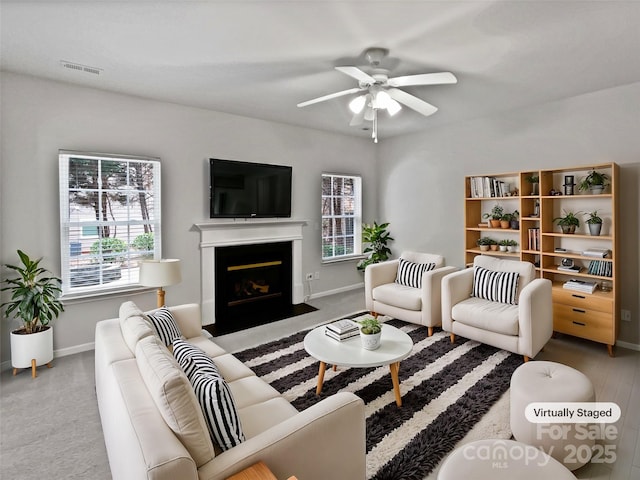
x,y
398,295
486,315
213,394
174,397
165,325
495,286
262,416
134,325
410,273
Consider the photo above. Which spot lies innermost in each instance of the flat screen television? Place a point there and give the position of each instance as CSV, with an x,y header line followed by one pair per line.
x,y
247,190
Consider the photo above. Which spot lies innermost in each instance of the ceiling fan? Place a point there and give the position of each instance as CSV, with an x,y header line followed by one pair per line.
x,y
382,92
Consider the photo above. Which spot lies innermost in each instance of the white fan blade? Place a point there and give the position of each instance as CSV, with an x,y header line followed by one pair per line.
x,y
412,102
423,79
330,96
358,74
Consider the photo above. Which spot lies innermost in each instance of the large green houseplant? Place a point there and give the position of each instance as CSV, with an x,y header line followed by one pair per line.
x,y
377,237
34,301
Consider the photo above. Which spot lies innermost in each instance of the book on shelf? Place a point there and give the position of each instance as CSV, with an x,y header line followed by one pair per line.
x,y
341,337
597,252
534,238
343,326
600,268
584,286
484,187
574,269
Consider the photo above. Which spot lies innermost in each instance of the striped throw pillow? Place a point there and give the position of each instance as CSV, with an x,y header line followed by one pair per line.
x,y
410,273
213,394
495,286
165,325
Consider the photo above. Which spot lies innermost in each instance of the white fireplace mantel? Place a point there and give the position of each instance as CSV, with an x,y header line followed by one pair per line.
x,y
245,232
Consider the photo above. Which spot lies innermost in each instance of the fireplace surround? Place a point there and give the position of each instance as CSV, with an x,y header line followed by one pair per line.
x,y
245,233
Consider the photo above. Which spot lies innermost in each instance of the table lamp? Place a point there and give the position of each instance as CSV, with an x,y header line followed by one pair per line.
x,y
160,273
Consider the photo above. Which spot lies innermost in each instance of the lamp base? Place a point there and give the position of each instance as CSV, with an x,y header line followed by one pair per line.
x,y
160,297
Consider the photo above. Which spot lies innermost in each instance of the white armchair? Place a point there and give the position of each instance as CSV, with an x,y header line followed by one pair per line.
x,y
522,328
414,296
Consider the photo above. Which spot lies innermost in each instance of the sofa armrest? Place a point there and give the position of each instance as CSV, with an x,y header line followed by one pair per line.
x,y
327,440
535,316
378,274
456,287
432,293
188,318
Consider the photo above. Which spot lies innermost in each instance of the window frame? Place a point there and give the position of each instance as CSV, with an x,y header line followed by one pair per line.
x,y
131,223
357,218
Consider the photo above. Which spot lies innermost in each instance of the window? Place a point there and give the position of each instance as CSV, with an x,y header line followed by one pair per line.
x,y
341,216
109,220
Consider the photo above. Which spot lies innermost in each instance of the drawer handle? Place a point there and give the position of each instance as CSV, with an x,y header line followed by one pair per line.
x,y
578,296
577,310
580,323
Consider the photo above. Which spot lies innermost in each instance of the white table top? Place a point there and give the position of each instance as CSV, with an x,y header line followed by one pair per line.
x,y
395,345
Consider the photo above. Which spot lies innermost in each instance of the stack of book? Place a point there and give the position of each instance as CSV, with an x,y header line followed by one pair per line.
x,y
342,329
534,239
574,269
601,268
583,286
597,252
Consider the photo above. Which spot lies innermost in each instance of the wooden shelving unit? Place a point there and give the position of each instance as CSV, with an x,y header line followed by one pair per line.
x,y
592,316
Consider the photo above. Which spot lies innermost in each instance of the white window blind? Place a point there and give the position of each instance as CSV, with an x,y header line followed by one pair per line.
x,y
109,220
341,216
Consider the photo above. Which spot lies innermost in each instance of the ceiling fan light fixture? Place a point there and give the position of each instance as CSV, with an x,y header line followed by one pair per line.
x,y
357,104
393,107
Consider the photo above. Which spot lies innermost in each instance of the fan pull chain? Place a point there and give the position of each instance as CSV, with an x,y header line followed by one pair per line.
x,y
374,133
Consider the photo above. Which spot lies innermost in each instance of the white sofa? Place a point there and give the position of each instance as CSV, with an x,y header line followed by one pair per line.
x,y
385,296
148,435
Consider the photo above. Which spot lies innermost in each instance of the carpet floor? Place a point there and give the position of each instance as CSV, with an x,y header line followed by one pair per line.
x,y
446,390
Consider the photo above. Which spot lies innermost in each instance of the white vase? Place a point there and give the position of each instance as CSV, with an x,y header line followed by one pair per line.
x,y
370,341
594,229
35,346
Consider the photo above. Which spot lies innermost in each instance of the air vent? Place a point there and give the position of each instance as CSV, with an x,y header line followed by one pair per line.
x,y
80,68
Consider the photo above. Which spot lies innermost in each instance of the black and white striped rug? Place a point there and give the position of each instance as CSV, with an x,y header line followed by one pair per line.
x,y
446,389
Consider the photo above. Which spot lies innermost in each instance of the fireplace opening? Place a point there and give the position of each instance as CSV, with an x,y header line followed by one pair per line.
x,y
253,285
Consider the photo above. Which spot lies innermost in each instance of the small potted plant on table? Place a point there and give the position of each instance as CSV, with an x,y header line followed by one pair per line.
x,y
595,223
495,216
370,333
485,242
511,246
34,301
503,245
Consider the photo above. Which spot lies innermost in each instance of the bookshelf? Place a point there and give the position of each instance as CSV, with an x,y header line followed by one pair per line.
x,y
593,316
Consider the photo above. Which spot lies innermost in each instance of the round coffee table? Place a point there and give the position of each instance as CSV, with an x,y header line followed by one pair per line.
x,y
395,345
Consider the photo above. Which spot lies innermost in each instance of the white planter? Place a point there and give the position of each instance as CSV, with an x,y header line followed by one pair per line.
x,y
371,341
38,346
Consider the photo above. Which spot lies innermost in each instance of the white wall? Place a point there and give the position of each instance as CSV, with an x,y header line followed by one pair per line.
x,y
40,116
421,175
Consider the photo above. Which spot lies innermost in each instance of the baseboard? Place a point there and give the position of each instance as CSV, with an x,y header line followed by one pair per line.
x,y
326,293
629,345
62,352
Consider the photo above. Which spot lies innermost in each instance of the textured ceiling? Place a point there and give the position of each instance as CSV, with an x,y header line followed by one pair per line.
x,y
261,58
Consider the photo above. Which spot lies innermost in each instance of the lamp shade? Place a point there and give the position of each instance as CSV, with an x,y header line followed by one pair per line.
x,y
160,273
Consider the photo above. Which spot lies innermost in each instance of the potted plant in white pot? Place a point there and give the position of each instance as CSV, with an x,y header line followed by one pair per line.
x,y
595,182
34,301
370,333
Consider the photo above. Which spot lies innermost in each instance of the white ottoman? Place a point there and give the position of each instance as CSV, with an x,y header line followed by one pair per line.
x,y
501,459
539,381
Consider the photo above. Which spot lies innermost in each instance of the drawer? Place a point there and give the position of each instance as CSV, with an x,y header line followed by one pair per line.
x,y
584,301
589,324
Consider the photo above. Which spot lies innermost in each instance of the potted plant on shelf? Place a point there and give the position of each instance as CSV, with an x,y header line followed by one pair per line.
x,y
503,244
595,223
34,301
595,182
485,242
511,245
534,180
505,220
377,237
569,222
515,220
494,217
370,333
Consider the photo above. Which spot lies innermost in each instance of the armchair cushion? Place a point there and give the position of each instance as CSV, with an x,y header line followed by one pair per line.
x,y
410,273
495,286
487,315
400,296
